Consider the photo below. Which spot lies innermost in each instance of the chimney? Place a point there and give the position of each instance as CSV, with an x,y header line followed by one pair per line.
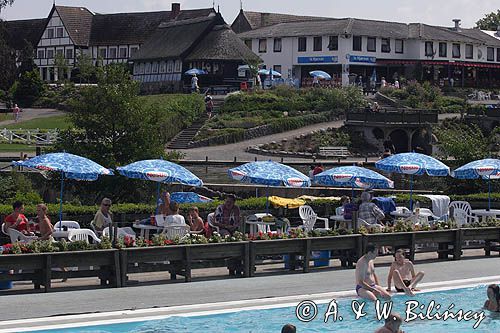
x,y
457,24
264,19
176,9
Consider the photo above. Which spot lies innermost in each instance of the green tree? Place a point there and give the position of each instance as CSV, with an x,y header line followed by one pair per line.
x,y
28,89
61,67
5,3
85,67
7,61
464,143
26,58
110,126
490,21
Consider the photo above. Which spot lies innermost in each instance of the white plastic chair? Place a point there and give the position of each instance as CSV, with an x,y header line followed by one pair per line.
x,y
211,221
363,223
122,232
68,224
4,229
339,211
176,231
17,236
462,213
82,235
309,218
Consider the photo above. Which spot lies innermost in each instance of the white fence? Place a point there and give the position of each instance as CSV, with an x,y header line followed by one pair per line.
x,y
29,136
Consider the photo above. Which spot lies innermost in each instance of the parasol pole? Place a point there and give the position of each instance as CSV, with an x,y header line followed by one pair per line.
x,y
489,192
158,197
61,201
411,193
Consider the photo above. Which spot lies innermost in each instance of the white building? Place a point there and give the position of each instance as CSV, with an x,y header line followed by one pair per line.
x,y
295,45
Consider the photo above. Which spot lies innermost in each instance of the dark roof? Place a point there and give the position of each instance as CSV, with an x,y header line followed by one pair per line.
x,y
222,44
78,23
176,39
135,28
481,35
259,19
429,32
332,26
18,31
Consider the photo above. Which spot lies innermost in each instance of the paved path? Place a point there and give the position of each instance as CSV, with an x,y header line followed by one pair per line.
x,y
29,114
228,152
226,289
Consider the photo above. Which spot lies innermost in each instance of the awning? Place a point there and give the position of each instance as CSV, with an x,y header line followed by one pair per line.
x,y
436,63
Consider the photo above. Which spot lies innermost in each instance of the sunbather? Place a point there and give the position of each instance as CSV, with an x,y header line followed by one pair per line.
x,y
367,285
403,274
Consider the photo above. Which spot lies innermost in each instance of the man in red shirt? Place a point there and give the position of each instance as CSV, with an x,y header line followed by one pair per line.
x,y
17,220
318,169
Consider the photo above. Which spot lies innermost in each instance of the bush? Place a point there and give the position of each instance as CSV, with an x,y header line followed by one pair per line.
x,y
28,89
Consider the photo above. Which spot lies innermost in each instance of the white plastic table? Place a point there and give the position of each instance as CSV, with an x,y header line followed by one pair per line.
x,y
341,219
146,228
484,213
59,234
257,220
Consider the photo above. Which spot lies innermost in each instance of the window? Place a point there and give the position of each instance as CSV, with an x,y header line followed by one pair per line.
x,y
277,68
178,65
141,68
429,49
498,54
123,52
469,51
133,50
50,54
148,68
41,54
490,54
302,44
102,53
170,66
386,45
333,43
262,45
50,33
356,43
443,50
69,54
154,70
399,46
456,50
372,44
60,32
277,45
318,44
112,52
248,43
163,67
60,53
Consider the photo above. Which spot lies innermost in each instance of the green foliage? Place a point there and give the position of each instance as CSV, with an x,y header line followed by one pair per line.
x,y
5,3
27,63
85,66
28,89
7,60
464,143
490,21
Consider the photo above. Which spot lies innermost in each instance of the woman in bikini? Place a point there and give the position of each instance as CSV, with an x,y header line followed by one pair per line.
x,y
403,274
493,301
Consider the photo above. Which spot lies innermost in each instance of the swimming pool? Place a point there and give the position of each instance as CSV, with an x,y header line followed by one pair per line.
x,y
271,320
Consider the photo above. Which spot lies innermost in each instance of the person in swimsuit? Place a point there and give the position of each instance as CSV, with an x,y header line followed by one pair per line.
x,y
403,274
493,301
367,282
392,324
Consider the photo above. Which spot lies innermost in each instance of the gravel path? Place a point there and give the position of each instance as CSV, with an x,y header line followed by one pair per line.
x,y
29,114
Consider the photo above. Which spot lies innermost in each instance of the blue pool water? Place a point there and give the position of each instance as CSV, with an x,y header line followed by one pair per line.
x,y
271,320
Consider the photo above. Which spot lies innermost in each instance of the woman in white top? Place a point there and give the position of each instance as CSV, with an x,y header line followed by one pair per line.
x,y
103,218
175,218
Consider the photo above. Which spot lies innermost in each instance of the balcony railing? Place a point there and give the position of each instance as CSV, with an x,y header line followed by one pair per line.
x,y
392,116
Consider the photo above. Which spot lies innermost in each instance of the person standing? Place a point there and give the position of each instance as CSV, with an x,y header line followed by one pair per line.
x,y
383,83
16,112
194,84
315,82
209,105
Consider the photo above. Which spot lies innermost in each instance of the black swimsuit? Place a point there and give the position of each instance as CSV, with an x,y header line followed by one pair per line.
x,y
407,283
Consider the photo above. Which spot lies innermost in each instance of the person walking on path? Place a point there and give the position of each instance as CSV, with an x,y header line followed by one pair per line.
x,y
194,84
209,105
16,112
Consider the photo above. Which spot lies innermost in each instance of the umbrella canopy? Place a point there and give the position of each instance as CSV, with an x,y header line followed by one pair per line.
x,y
486,169
160,171
72,166
321,75
413,164
374,75
188,197
196,71
269,173
353,176
69,165
268,72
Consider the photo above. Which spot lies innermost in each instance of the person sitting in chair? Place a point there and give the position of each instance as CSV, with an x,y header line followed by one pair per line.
x,y
103,218
368,211
227,216
17,220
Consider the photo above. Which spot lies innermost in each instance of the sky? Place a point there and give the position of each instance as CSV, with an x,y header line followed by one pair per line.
x,y
437,12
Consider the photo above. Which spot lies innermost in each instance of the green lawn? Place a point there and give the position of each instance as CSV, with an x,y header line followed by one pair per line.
x,y
5,116
15,147
60,122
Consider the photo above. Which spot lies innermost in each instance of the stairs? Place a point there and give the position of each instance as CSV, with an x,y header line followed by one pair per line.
x,y
184,137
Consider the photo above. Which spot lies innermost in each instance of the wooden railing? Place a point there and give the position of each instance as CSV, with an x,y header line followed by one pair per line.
x,y
392,116
31,136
